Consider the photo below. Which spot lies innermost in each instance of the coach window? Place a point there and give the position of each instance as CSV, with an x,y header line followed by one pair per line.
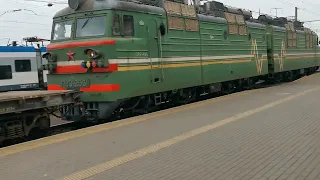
x,y
5,72
128,25
22,65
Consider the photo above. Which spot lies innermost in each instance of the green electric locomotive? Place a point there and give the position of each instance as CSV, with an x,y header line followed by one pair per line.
x,y
130,56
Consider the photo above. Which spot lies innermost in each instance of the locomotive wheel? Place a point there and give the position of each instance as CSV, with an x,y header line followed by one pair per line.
x,y
249,84
228,88
289,76
239,86
280,77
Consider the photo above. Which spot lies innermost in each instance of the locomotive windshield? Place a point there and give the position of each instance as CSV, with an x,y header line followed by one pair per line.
x,y
62,30
91,26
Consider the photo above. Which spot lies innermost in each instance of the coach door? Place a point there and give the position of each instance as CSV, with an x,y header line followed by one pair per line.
x,y
155,51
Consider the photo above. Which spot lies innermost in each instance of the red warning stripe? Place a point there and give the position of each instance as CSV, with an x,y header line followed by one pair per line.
x,y
102,88
92,88
54,87
69,69
80,44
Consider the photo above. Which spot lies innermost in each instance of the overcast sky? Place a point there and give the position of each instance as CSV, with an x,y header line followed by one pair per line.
x,y
22,24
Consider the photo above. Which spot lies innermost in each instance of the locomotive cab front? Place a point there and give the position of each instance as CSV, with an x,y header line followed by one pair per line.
x,y
91,44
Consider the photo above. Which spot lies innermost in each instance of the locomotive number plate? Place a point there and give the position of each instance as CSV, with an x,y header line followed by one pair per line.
x,y
74,84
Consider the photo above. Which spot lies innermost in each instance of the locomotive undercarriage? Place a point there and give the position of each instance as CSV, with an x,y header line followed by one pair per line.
x,y
109,111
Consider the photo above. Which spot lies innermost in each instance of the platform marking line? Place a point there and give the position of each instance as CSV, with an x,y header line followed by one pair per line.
x,y
164,144
112,125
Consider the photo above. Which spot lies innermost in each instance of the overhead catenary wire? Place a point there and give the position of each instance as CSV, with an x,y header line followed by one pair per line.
x,y
19,27
299,7
26,22
43,1
37,4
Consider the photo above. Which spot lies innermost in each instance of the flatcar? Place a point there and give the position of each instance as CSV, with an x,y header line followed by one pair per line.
x,y
132,56
19,67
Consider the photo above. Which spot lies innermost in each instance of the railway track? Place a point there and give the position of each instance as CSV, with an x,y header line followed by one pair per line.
x,y
67,127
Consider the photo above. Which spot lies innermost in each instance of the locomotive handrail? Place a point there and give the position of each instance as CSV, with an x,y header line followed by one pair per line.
x,y
161,60
149,52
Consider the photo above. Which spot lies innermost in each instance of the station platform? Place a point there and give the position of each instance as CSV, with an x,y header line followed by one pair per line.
x,y
270,133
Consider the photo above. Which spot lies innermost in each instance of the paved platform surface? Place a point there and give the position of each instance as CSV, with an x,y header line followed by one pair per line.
x,y
271,133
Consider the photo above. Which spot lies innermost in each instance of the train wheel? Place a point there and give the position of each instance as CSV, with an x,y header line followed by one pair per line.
x,y
279,77
249,84
227,88
240,85
289,76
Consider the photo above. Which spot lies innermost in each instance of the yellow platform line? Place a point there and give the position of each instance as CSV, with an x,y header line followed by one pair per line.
x,y
112,125
164,144
116,124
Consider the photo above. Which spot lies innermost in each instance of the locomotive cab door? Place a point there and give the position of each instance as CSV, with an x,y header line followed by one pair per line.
x,y
154,51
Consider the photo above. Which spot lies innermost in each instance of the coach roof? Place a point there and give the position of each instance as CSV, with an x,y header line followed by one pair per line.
x,y
20,49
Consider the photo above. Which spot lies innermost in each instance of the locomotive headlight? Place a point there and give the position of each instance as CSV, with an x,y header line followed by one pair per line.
x,y
92,54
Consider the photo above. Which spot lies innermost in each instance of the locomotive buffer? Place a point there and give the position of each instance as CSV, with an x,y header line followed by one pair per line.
x,y
24,113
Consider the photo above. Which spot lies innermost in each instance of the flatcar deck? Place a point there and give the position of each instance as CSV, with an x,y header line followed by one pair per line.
x,y
19,101
270,133
14,95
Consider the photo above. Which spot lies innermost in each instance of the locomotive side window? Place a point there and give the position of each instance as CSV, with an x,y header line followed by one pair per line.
x,y
62,30
91,26
128,26
22,65
116,25
5,72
